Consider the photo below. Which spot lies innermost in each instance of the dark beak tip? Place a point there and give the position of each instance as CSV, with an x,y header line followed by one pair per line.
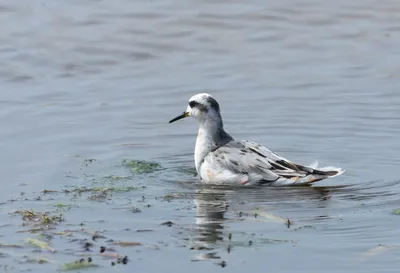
x,y
184,115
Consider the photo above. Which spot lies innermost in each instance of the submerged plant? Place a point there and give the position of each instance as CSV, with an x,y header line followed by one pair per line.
x,y
141,166
78,265
30,217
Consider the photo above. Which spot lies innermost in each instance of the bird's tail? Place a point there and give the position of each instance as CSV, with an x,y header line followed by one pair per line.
x,y
329,171
317,174
314,174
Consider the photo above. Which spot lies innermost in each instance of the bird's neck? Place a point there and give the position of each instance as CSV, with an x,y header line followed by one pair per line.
x,y
211,136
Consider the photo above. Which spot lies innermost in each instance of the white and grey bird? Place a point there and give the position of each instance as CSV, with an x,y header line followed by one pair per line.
x,y
220,159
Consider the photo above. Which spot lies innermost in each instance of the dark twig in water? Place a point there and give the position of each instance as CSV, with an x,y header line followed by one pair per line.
x,y
289,222
168,223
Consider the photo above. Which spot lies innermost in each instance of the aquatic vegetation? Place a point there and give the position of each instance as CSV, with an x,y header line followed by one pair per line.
x,y
86,238
141,166
79,264
104,189
120,243
119,189
32,230
2,245
48,191
396,211
37,260
60,206
30,217
102,193
177,195
117,177
39,244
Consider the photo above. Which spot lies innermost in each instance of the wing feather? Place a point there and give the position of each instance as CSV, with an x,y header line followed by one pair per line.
x,y
245,157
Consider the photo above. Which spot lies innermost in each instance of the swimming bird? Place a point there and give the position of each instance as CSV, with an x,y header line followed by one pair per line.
x,y
220,159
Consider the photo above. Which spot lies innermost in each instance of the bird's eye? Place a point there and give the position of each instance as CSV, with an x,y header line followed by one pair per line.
x,y
193,103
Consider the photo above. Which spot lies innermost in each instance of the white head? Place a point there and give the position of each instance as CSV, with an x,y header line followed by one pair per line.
x,y
203,107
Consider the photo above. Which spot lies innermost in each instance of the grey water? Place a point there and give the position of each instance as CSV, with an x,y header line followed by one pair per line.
x,y
88,84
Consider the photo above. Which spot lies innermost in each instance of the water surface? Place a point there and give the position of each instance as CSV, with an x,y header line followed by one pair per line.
x,y
99,80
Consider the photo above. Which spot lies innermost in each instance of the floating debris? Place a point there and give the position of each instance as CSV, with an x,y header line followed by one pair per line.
x,y
123,260
10,246
288,222
117,177
221,264
89,161
206,256
104,189
135,210
87,246
177,195
37,260
144,230
168,223
127,243
48,191
200,247
31,217
141,166
32,230
63,206
39,244
102,249
110,255
273,218
396,211
99,195
96,235
305,227
78,265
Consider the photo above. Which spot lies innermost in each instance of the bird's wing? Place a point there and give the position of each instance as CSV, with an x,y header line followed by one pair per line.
x,y
248,157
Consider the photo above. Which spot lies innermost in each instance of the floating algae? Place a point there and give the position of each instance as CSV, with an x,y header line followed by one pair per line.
x,y
63,206
117,189
37,260
2,245
127,243
103,189
177,195
78,265
39,244
396,211
141,166
31,217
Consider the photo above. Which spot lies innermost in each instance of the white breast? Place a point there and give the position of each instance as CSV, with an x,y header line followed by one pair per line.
x,y
203,147
212,171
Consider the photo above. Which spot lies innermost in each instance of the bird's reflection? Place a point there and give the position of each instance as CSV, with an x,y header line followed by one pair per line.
x,y
212,204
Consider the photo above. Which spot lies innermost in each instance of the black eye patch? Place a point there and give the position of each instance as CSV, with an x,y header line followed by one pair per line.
x,y
193,103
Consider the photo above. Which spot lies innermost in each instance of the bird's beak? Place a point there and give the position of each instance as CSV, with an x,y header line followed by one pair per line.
x,y
183,115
